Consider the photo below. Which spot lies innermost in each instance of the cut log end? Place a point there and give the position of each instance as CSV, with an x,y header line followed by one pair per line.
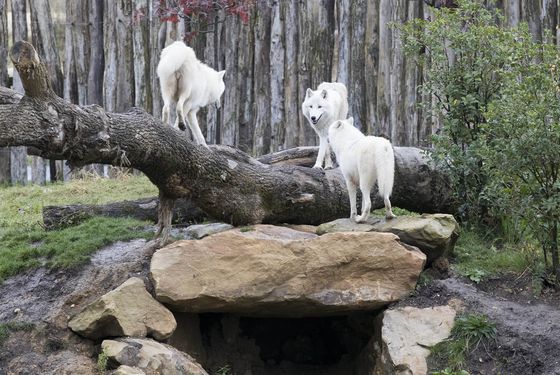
x,y
33,74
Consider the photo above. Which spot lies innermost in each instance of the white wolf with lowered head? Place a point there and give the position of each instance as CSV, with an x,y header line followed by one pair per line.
x,y
188,82
363,160
321,108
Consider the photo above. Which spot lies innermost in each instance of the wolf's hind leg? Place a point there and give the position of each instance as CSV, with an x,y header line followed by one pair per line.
x,y
328,159
180,120
388,211
351,187
365,188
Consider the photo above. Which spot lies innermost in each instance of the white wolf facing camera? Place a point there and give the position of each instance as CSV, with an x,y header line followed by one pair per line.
x,y
321,108
188,82
363,160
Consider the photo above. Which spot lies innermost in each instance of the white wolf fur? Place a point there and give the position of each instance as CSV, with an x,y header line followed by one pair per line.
x,y
188,82
363,159
321,108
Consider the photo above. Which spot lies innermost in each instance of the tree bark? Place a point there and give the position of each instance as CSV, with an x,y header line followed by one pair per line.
x,y
5,173
18,155
223,181
58,217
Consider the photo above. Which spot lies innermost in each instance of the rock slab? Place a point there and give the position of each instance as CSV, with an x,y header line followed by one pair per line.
x,y
285,275
434,234
407,334
129,310
150,356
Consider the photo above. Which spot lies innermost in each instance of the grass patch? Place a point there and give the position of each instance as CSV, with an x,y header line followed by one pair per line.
x,y
396,210
24,249
7,328
21,206
102,361
469,332
25,244
477,258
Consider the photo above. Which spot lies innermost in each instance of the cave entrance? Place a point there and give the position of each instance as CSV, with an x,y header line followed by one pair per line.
x,y
338,345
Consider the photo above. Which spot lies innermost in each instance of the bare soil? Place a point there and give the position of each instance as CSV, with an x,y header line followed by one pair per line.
x,y
528,338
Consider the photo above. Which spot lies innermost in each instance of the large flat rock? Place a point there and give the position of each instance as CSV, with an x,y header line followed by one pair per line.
x,y
274,272
434,234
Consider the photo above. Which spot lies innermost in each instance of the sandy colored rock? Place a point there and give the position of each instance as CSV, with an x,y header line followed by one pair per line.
x,y
408,332
151,357
246,272
434,234
129,310
127,370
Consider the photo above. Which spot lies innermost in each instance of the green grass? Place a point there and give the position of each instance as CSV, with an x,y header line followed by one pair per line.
x,y
7,328
476,258
397,211
469,331
21,206
24,242
102,361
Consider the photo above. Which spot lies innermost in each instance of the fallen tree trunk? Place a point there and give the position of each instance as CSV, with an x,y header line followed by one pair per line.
x,y
224,182
58,217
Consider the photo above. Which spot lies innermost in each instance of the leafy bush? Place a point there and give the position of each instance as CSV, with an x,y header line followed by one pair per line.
x,y
462,52
521,144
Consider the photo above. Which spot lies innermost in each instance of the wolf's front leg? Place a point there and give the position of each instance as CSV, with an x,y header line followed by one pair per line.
x,y
328,159
323,144
195,129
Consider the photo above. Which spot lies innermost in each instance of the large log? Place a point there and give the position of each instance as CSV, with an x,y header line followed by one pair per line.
x,y
58,217
222,181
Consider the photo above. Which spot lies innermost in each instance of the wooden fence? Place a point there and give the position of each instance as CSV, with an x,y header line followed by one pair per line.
x,y
106,52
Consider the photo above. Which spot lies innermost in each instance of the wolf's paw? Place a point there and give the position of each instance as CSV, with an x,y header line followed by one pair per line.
x,y
182,126
317,166
390,215
360,219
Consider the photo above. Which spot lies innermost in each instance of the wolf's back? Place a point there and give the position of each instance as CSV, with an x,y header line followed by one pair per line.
x,y
174,57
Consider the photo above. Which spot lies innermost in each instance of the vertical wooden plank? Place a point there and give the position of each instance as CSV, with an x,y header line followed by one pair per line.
x,y
212,56
371,47
512,12
277,52
245,80
530,13
291,95
141,56
304,77
356,88
18,155
384,70
157,43
344,37
398,130
97,57
125,64
110,80
411,74
79,13
230,98
261,140
5,176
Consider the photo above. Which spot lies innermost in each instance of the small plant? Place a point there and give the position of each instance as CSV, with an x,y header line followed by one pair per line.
x,y
224,370
475,275
102,360
470,330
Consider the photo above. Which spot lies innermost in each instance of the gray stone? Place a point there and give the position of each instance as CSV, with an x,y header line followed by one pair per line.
x,y
199,231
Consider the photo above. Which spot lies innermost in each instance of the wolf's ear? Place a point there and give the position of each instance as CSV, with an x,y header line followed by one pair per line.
x,y
308,93
338,124
324,94
221,73
351,120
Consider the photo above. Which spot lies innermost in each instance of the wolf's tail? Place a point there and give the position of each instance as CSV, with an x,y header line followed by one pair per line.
x,y
173,57
385,164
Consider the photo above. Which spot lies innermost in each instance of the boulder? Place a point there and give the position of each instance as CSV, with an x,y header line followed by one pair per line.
x,y
434,234
150,356
407,333
128,310
276,271
199,231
